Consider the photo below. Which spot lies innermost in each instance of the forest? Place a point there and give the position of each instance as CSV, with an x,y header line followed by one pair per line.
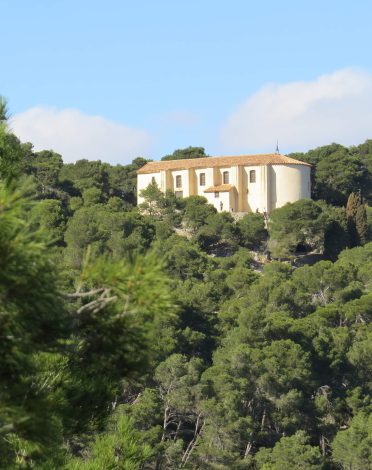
x,y
170,336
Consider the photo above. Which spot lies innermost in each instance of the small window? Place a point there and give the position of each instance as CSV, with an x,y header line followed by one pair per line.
x,y
178,193
178,181
225,177
252,176
153,180
216,194
202,179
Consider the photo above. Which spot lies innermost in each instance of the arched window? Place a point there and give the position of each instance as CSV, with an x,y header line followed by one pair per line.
x,y
178,181
202,179
225,177
252,176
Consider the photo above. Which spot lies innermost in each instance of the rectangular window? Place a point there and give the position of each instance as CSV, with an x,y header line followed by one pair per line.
x,y
178,181
178,193
225,177
216,194
202,179
252,176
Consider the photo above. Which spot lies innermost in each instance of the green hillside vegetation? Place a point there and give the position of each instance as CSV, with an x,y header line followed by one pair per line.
x,y
171,336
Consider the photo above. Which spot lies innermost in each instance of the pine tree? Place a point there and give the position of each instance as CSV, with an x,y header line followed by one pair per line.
x,y
3,110
11,152
32,321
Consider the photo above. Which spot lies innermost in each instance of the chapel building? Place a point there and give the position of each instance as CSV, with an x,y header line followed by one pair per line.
x,y
246,183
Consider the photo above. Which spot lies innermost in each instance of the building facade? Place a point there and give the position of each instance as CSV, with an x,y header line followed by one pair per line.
x,y
247,183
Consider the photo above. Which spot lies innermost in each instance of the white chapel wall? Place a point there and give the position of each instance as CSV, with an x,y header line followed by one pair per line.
x,y
185,186
275,185
208,180
289,183
255,192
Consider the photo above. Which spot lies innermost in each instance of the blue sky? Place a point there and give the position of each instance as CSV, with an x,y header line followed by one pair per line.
x,y
118,79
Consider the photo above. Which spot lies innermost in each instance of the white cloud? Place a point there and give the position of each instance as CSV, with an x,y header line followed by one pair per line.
x,y
76,135
333,108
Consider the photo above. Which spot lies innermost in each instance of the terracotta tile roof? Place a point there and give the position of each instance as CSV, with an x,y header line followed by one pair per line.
x,y
215,162
221,188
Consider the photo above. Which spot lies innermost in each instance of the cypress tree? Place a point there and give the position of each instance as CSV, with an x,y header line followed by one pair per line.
x,y
353,203
361,224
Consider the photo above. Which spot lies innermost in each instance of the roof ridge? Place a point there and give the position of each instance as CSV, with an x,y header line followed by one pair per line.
x,y
232,160
208,157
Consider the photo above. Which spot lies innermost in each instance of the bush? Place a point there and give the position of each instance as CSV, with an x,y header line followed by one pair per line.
x,y
299,225
252,231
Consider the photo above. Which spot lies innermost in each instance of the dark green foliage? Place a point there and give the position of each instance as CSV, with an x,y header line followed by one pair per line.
x,y
369,222
291,452
336,236
153,199
252,230
4,113
183,260
120,447
361,224
92,196
46,167
122,311
283,398
297,226
106,230
119,181
357,220
161,207
158,340
49,216
122,180
33,321
219,228
352,448
11,155
189,152
49,357
75,203
365,153
337,175
84,175
337,171
197,210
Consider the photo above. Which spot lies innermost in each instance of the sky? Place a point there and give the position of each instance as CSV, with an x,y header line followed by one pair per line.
x,y
119,79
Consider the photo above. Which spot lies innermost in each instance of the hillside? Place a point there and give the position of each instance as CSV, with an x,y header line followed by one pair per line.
x,y
172,336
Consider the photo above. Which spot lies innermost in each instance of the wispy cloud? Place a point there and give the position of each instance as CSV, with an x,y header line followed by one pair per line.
x,y
76,135
333,108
